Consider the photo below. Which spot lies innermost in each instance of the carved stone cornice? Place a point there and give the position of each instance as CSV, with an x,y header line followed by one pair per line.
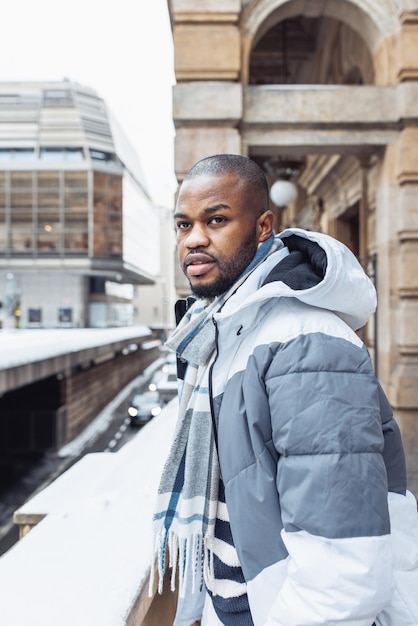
x,y
405,178
207,18
408,350
408,17
408,292
407,235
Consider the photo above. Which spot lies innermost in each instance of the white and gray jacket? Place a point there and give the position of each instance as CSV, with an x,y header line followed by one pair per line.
x,y
310,455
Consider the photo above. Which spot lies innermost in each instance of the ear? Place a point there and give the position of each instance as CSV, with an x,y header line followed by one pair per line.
x,y
265,225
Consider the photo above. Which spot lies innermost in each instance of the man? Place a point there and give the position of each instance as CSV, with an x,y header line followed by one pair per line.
x,y
273,504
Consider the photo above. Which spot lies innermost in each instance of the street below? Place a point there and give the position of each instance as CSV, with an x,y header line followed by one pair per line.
x,y
34,476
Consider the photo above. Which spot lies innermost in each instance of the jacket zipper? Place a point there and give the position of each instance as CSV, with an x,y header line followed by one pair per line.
x,y
212,411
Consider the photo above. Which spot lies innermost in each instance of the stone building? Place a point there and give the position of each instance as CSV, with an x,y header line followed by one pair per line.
x,y
324,93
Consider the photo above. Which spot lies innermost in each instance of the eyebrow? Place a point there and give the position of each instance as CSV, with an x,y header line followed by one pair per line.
x,y
208,211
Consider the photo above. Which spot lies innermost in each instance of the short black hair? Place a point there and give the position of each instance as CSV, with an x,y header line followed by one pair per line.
x,y
244,167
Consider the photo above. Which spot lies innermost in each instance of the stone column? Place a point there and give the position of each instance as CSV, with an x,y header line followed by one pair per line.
x,y
208,96
397,238
397,250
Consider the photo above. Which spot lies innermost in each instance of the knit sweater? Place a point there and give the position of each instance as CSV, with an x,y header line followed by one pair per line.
x,y
229,595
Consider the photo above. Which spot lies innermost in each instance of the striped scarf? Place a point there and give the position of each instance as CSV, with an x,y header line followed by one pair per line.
x,y
187,500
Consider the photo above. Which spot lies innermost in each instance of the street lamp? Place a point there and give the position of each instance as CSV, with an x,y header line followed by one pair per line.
x,y
283,191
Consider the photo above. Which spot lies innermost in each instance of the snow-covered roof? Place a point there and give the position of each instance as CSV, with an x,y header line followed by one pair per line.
x,y
23,346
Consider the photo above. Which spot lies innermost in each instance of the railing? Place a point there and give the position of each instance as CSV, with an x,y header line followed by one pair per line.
x,y
86,541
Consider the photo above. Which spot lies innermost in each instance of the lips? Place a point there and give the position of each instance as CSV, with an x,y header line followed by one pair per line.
x,y
198,264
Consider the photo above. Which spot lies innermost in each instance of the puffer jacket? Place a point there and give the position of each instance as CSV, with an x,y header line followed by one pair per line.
x,y
308,447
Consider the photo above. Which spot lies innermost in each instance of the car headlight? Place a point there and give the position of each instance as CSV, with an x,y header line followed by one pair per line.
x,y
152,387
132,411
156,411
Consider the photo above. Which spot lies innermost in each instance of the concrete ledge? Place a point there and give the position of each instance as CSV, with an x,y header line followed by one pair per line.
x,y
319,105
79,484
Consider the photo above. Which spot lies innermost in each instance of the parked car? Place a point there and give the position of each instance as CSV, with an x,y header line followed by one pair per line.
x,y
144,406
169,368
167,384
164,381
171,358
156,377
166,373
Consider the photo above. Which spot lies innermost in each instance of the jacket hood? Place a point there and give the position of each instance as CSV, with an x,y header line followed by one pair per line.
x,y
312,267
322,272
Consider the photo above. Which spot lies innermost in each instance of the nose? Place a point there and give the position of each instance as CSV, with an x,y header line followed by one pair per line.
x,y
197,237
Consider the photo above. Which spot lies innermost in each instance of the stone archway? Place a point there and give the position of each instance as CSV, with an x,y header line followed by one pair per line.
x,y
311,50
299,48
372,20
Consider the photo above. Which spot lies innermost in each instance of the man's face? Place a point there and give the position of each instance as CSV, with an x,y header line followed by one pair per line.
x,y
218,231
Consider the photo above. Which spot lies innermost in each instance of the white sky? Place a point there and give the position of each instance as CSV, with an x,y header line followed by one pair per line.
x,y
121,48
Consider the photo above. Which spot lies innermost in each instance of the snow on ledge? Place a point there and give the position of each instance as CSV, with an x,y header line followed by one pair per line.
x,y
22,346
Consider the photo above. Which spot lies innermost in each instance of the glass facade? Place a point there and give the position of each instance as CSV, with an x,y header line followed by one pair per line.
x,y
3,230
107,228
46,213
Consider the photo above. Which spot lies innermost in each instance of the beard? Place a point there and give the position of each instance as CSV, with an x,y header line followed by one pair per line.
x,y
229,270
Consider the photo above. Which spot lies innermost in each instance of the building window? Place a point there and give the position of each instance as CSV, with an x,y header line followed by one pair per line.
x,y
48,202
16,154
21,180
76,242
65,315
49,180
21,200
49,237
76,200
75,180
107,233
3,232
104,157
61,154
58,98
76,213
74,154
47,214
35,316
21,241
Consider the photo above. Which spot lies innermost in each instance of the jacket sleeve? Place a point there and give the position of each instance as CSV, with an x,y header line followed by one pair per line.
x,y
331,479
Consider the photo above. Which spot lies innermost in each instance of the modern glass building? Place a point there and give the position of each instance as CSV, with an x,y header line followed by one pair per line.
x,y
78,230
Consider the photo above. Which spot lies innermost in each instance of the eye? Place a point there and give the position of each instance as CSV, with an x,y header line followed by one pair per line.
x,y
217,219
182,225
